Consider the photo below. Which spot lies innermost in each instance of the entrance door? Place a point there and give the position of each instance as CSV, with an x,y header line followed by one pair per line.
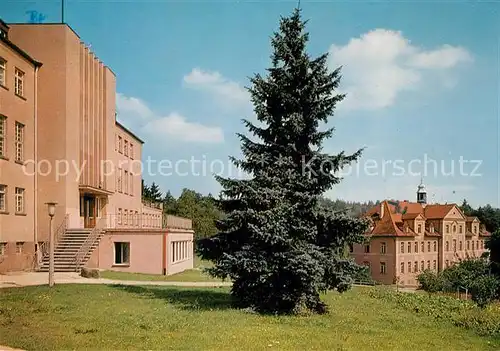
x,y
89,211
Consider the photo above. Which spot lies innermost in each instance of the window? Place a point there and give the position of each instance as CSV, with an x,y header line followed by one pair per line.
x,y
460,229
422,267
382,268
19,82
3,249
3,198
481,243
428,264
454,228
428,246
137,218
3,135
19,200
435,246
402,248
468,245
475,229
422,246
119,216
125,148
120,145
434,264
122,253
126,182
419,228
383,248
19,247
409,247
477,245
19,142
447,228
454,245
472,245
131,184
409,267
447,246
415,267
120,180
402,269
131,150
460,245
125,217
367,248
416,247
3,71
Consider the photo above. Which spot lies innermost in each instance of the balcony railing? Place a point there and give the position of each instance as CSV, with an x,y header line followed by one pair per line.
x,y
133,221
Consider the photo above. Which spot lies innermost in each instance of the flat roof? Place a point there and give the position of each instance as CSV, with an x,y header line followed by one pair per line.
x,y
16,48
128,131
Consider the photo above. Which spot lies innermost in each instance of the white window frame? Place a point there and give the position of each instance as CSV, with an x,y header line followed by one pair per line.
x,y
3,71
125,177
122,245
19,82
20,200
3,197
125,148
383,268
3,249
383,248
19,247
19,142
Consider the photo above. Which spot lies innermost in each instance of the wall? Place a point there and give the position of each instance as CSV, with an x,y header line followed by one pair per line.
x,y
408,277
17,227
375,257
179,244
146,252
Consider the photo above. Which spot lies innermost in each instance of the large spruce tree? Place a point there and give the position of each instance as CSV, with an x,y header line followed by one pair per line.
x,y
277,244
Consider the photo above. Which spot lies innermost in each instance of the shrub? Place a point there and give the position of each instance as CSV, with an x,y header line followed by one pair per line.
x,y
90,273
484,289
429,281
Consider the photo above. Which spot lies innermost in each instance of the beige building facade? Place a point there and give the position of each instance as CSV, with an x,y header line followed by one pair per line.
x,y
74,153
407,238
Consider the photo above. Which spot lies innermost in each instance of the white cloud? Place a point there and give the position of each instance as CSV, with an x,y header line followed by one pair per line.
x,y
132,105
135,113
176,126
381,64
226,91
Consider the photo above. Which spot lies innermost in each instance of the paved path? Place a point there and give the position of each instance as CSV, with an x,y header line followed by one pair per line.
x,y
37,278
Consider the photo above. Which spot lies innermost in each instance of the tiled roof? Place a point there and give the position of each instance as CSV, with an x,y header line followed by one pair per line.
x,y
471,219
386,226
437,211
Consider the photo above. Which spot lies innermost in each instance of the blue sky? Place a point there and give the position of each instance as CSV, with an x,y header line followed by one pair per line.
x,y
422,81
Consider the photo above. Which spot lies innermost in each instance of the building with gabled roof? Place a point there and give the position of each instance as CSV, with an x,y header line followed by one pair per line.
x,y
406,238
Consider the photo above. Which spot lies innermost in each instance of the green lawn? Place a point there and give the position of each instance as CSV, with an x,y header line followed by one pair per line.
x,y
124,317
191,275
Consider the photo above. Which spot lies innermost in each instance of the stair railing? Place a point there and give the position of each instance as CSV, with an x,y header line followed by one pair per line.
x,y
43,247
91,239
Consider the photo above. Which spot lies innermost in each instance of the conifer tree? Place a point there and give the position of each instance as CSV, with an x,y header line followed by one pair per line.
x,y
277,244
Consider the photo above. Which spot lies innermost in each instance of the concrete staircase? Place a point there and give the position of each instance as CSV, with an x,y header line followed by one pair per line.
x,y
66,250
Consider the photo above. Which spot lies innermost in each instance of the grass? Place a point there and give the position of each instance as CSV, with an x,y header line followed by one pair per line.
x,y
191,275
124,317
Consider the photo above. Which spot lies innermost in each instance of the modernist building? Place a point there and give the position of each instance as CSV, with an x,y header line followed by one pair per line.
x,y
406,238
62,116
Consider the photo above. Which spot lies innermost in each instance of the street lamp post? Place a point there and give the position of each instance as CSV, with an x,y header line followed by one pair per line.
x,y
52,211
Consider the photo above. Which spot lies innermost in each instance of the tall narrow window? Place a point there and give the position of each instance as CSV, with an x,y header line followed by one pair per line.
x,y
409,267
447,228
19,200
367,248
120,180
3,198
428,264
383,248
402,248
460,245
120,144
415,266
468,245
422,247
382,268
419,228
19,142
131,183
3,71
125,148
422,267
3,248
447,246
460,229
131,150
19,247
19,82
402,267
126,182
434,264
454,245
416,247
409,247
435,246
3,136
428,246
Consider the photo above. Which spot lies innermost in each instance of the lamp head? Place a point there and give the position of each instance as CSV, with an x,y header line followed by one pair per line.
x,y
51,208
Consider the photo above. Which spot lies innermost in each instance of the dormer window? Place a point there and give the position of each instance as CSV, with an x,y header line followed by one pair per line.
x,y
431,228
419,228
